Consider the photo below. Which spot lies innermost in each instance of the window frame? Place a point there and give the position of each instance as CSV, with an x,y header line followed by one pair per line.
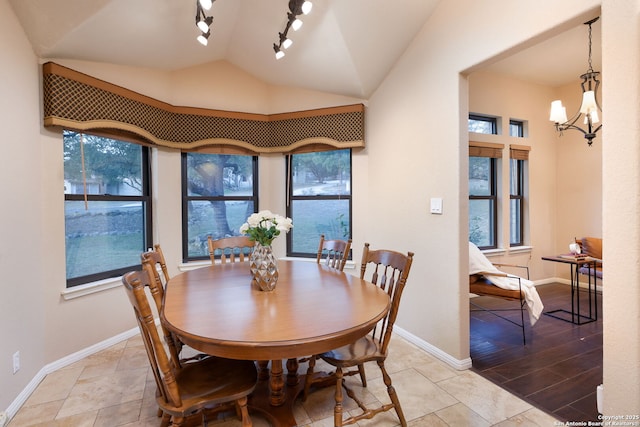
x,y
186,199
291,198
145,198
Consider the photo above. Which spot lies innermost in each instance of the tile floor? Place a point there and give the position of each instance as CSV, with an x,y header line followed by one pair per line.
x,y
116,388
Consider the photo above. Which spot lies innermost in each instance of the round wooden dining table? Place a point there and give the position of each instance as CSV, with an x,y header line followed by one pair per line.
x,y
313,309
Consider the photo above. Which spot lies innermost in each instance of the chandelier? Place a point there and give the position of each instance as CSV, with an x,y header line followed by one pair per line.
x,y
589,107
296,8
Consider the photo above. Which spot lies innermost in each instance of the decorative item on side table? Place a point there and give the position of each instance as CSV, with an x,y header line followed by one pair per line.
x,y
262,228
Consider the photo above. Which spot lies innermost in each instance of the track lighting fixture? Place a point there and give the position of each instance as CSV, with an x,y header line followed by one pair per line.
x,y
203,22
296,7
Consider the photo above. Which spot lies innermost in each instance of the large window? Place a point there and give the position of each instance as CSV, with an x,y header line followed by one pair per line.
x,y
319,194
107,206
219,192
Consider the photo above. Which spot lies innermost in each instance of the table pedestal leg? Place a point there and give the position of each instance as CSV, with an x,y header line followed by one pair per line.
x,y
276,384
292,372
273,398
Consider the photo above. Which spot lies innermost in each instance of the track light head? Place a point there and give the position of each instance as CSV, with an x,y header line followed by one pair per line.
x,y
206,4
300,6
285,41
204,22
203,38
278,51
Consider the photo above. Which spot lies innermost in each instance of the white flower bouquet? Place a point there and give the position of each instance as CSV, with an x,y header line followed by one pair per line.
x,y
264,226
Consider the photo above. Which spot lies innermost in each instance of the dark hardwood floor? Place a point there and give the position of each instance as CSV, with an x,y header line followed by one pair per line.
x,y
558,369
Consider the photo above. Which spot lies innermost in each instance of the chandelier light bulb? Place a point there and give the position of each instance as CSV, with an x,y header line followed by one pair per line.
x,y
287,43
296,24
588,102
279,54
558,112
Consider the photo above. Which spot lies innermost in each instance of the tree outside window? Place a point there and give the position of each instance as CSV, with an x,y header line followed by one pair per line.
x,y
482,202
219,193
107,206
319,199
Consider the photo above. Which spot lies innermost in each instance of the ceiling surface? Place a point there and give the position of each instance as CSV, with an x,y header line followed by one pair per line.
x,y
344,47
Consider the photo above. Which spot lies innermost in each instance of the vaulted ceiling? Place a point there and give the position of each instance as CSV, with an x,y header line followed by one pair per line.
x,y
345,47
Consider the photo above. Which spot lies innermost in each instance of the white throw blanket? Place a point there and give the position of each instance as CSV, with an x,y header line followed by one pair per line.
x,y
478,263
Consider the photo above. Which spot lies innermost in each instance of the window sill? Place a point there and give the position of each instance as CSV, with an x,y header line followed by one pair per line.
x,y
520,249
509,251
91,288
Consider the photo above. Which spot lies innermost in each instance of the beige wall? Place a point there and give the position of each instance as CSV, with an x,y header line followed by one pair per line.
x,y
621,205
416,134
22,240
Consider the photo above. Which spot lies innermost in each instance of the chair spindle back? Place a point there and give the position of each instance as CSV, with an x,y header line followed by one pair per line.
x,y
389,270
231,249
335,252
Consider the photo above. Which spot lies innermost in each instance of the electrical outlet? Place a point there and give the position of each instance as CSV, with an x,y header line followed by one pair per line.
x,y
16,362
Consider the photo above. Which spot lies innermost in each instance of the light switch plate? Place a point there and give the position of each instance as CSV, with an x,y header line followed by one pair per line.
x,y
436,205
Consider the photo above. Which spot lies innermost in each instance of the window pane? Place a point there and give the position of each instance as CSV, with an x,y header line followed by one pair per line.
x,y
515,225
480,176
320,200
219,175
221,193
325,173
481,222
217,218
516,128
107,236
482,124
311,218
514,181
111,167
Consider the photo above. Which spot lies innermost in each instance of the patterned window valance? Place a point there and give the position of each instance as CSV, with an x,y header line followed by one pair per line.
x,y
77,101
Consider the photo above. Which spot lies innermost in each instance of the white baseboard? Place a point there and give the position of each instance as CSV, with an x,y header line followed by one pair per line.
x,y
457,364
61,363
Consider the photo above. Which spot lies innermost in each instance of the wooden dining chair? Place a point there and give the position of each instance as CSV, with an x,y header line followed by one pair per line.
x,y
212,383
333,253
156,256
154,263
389,270
230,249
